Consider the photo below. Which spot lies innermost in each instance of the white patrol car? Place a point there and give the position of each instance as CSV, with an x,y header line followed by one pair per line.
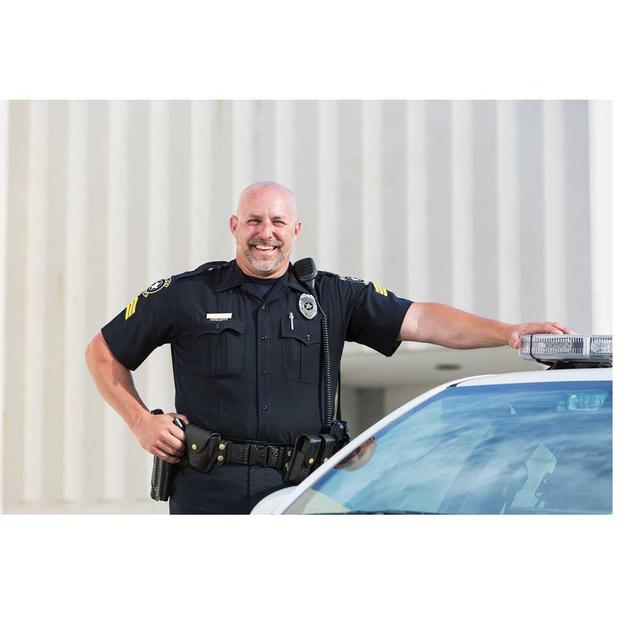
x,y
520,443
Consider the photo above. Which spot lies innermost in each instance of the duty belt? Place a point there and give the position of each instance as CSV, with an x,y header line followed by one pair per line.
x,y
206,448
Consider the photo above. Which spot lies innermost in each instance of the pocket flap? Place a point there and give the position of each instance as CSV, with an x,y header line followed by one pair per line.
x,y
306,331
218,326
201,447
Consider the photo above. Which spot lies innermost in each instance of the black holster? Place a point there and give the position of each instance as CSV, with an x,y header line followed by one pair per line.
x,y
163,472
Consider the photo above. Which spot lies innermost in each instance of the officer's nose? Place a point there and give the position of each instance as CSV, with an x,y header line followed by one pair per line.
x,y
266,231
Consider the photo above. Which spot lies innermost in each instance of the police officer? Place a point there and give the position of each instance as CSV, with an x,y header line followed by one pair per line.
x,y
245,342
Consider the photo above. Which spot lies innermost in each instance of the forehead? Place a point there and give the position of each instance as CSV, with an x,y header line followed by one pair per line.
x,y
267,202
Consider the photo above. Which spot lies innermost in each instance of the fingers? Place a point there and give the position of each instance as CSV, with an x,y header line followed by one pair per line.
x,y
536,327
166,440
170,443
181,416
561,327
168,448
176,432
163,455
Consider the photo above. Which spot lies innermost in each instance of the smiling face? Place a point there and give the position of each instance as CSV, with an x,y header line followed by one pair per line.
x,y
265,228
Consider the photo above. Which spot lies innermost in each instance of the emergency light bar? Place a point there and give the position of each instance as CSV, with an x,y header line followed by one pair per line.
x,y
568,349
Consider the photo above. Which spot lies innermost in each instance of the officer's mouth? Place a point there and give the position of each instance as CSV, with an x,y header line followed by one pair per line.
x,y
264,249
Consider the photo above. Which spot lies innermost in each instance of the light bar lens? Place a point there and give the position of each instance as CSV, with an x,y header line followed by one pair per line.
x,y
557,345
602,345
567,348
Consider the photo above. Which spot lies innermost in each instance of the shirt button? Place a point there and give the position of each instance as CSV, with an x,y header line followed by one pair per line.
x,y
262,307
264,337
265,407
263,372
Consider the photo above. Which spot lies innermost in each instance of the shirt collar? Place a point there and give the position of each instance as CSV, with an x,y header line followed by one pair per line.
x,y
234,277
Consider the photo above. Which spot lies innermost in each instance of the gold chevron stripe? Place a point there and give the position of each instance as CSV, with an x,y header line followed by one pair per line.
x,y
131,308
381,290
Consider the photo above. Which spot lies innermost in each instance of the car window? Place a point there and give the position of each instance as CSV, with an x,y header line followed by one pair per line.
x,y
516,448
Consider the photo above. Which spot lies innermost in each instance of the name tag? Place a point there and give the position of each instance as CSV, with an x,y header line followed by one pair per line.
x,y
219,316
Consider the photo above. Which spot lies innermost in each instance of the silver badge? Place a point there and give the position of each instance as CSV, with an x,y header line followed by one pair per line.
x,y
307,305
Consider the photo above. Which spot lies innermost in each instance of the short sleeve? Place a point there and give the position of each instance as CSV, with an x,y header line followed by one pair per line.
x,y
375,315
147,322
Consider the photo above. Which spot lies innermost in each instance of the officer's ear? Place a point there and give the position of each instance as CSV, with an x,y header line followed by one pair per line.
x,y
233,224
297,228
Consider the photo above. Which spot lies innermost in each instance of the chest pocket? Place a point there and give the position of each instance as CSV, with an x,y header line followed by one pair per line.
x,y
220,347
301,350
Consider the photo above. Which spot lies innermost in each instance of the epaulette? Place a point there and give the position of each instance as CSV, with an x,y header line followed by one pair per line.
x,y
378,287
207,266
328,273
345,278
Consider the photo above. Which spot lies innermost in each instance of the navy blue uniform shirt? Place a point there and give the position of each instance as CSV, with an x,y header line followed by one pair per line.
x,y
246,367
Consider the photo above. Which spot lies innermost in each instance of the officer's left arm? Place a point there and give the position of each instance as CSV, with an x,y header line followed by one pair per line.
x,y
450,327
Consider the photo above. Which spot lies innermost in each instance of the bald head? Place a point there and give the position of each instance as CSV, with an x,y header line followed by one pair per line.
x,y
265,227
273,191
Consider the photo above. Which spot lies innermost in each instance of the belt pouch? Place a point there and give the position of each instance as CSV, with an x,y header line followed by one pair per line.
x,y
305,457
202,447
328,448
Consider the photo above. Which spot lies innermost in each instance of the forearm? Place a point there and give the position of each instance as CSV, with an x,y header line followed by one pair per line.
x,y
114,382
450,327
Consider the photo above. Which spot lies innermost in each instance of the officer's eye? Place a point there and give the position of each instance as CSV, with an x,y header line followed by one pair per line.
x,y
280,223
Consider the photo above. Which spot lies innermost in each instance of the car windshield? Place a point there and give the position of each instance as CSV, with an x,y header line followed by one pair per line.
x,y
509,448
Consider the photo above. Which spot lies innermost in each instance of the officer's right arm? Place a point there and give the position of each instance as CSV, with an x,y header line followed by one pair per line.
x,y
156,433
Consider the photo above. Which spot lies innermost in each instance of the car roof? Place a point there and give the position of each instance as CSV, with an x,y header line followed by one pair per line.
x,y
546,375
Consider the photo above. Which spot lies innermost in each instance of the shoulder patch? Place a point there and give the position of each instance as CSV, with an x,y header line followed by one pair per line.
x,y
157,286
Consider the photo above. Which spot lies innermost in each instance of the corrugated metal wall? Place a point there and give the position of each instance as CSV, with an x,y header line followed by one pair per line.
x,y
484,205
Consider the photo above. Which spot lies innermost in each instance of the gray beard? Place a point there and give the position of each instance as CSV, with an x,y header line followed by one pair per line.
x,y
265,267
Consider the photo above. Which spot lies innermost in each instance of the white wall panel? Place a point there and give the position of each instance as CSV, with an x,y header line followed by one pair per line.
x,y
35,312
415,227
553,218
374,218
328,249
507,208
283,145
75,223
116,284
4,202
482,204
600,181
462,219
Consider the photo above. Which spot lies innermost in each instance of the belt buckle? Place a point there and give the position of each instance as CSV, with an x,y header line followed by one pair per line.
x,y
259,454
